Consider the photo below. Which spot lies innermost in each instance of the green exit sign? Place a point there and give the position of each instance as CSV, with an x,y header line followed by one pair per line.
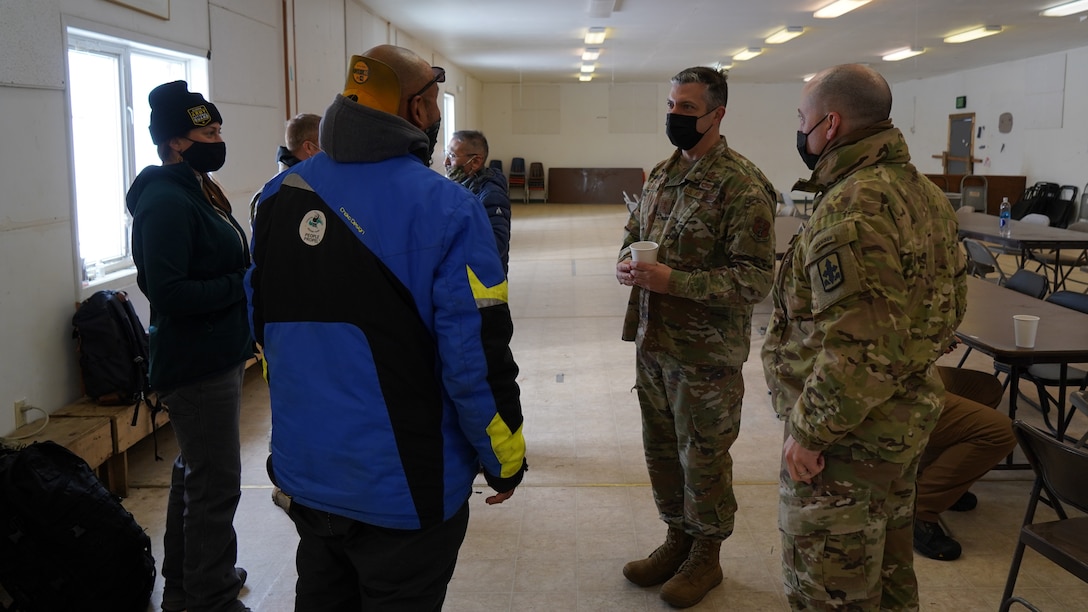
x,y
961,101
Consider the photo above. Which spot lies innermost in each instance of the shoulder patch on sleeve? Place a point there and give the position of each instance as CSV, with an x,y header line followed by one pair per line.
x,y
829,269
761,229
832,266
833,276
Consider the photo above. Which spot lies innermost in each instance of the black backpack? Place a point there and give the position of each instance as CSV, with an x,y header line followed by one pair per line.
x,y
66,543
113,353
1040,198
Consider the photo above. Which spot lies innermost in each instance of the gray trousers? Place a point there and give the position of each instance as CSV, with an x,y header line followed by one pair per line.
x,y
200,546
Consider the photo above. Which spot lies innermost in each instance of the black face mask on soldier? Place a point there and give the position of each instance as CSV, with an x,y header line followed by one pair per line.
x,y
205,156
682,130
810,159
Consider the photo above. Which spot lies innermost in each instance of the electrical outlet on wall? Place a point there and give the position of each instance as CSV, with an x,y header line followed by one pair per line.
x,y
20,414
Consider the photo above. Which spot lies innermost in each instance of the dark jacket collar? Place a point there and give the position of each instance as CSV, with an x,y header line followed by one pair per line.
x,y
351,132
879,143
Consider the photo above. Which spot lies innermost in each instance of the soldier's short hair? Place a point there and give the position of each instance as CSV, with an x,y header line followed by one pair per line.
x,y
473,138
717,87
855,91
300,128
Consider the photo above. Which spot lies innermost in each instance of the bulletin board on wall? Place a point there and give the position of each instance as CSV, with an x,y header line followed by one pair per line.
x,y
31,60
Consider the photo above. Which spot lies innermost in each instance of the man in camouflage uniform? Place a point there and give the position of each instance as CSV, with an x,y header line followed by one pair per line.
x,y
866,300
690,315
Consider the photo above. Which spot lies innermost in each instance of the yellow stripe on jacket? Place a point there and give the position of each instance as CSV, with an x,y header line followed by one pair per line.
x,y
486,296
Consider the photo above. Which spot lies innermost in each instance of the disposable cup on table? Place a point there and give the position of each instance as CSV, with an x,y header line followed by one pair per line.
x,y
1024,329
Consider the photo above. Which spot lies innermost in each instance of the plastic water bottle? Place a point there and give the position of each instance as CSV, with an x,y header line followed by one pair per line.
x,y
1005,216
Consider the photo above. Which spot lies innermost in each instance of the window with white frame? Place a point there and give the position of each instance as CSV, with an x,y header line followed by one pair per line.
x,y
109,79
449,118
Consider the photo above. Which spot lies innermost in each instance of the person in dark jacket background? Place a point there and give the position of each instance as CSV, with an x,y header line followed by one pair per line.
x,y
378,298
466,163
301,137
190,256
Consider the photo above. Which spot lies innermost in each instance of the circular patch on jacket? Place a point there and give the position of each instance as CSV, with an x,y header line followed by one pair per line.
x,y
312,228
761,229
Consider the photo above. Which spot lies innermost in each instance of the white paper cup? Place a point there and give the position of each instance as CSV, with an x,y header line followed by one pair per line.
x,y
644,251
1024,329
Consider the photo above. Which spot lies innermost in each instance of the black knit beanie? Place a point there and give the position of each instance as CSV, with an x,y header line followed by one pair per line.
x,y
175,110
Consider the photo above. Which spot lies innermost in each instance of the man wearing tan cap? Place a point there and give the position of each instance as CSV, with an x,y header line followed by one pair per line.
x,y
378,295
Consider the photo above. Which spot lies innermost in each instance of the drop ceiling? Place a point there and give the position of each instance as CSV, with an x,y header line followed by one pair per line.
x,y
650,40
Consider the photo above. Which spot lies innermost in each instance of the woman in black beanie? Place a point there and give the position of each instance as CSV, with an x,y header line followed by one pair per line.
x,y
190,256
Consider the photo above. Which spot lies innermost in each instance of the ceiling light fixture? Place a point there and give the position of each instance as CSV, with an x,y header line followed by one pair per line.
x,y
841,7
1066,9
595,36
747,54
903,54
587,68
808,77
975,34
585,78
785,34
591,54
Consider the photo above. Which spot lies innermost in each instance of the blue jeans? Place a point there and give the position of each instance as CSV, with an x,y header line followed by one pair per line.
x,y
200,546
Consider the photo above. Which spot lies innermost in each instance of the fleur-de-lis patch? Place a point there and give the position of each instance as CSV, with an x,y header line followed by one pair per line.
x,y
830,271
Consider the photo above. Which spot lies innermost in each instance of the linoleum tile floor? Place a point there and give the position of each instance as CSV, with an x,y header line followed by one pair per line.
x,y
585,507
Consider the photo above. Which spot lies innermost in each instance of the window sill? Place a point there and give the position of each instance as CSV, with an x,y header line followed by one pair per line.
x,y
116,281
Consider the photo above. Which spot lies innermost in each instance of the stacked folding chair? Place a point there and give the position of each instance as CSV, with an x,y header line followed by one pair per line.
x,y
536,187
516,180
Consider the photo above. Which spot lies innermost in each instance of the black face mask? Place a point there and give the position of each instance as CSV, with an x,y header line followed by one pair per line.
x,y
682,130
432,138
810,159
205,156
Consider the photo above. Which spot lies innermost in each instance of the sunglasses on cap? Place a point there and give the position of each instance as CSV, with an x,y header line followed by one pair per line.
x,y
439,77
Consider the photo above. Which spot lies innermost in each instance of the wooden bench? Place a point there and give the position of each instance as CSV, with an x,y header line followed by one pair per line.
x,y
100,435
123,435
88,437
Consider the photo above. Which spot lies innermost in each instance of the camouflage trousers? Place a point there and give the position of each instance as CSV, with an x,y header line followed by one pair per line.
x,y
847,538
690,418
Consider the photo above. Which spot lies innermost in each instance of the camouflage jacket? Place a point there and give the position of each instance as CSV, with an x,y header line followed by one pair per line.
x,y
714,222
865,301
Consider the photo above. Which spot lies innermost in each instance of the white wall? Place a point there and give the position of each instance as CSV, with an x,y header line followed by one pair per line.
x,y
760,122
1058,155
320,55
37,270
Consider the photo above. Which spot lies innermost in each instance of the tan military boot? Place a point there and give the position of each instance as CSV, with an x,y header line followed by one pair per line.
x,y
701,572
663,562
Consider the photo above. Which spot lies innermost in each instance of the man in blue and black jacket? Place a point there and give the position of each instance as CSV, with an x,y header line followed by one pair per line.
x,y
380,301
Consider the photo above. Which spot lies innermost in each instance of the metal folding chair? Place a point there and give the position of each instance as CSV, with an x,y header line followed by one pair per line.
x,y
1059,474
